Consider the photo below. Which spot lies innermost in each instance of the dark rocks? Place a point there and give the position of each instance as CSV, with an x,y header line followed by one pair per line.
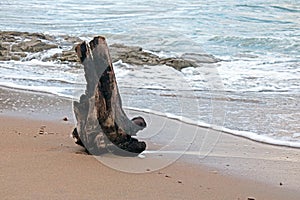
x,y
177,63
132,55
34,45
2,48
20,45
17,45
200,58
65,56
15,57
136,55
72,40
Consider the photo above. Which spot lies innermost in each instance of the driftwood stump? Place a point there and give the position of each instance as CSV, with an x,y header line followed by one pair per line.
x,y
102,124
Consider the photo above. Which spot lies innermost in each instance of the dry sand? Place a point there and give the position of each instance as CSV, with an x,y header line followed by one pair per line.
x,y
51,166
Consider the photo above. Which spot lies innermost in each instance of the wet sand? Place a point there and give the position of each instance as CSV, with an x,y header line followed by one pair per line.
x,y
214,166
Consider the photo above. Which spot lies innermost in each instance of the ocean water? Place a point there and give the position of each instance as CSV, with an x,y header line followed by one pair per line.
x,y
253,92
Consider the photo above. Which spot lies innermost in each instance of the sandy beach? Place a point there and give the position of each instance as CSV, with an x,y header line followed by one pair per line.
x,y
213,87
39,160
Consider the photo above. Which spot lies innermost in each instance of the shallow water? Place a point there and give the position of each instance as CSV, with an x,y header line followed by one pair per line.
x,y
255,88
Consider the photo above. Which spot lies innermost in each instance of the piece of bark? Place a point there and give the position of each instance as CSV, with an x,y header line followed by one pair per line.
x,y
101,122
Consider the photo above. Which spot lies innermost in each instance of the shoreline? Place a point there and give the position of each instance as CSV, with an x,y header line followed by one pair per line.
x,y
34,105
67,108
242,134
234,168
247,109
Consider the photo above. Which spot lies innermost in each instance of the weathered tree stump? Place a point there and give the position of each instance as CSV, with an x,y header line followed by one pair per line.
x,y
102,124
